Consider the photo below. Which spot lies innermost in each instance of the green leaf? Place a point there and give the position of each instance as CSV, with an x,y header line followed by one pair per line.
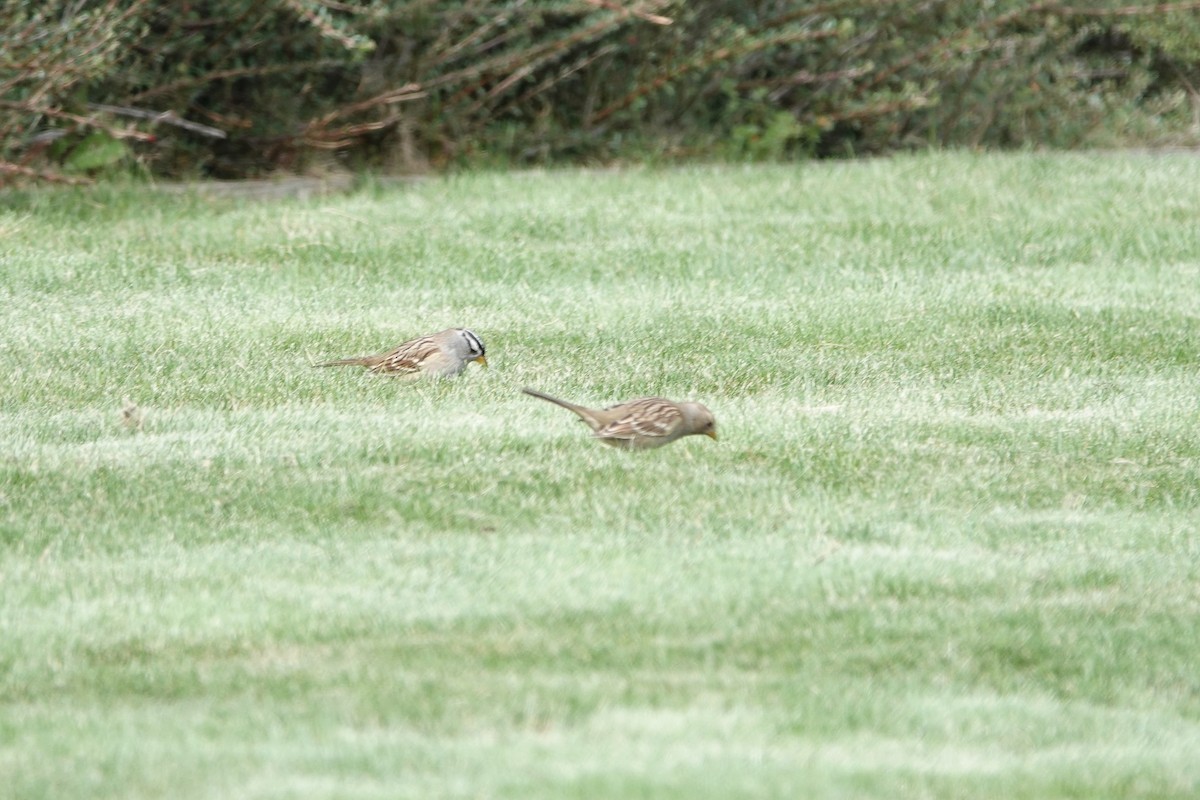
x,y
97,151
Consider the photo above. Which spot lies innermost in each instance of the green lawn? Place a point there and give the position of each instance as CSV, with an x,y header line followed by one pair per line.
x,y
948,545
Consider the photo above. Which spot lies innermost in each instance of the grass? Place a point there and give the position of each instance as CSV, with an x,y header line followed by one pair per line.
x,y
945,548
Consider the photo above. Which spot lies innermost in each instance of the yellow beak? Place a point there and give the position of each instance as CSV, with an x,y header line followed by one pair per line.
x,y
712,434
481,360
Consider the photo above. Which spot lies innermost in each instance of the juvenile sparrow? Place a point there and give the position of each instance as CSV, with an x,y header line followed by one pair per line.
x,y
643,423
438,355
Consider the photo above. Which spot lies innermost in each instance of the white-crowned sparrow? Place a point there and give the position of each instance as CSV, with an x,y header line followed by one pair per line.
x,y
438,355
643,423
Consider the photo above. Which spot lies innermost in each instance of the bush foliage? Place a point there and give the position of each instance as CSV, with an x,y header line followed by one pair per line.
x,y
243,87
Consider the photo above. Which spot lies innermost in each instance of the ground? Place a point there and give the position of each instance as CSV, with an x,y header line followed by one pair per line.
x,y
945,546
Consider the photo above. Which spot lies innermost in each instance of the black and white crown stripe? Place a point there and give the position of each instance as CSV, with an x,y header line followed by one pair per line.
x,y
474,342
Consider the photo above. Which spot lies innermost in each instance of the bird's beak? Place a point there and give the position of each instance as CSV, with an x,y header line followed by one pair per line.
x,y
712,434
482,361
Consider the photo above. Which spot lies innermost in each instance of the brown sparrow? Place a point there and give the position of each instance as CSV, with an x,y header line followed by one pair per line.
x,y
643,423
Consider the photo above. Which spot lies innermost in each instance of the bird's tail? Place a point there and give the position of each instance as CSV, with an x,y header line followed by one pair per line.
x,y
584,413
359,361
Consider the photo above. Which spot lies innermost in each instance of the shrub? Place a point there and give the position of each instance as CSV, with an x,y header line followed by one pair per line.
x,y
242,87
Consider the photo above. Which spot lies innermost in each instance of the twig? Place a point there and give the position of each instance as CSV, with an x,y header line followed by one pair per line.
x,y
53,177
1129,11
324,28
238,72
410,91
169,117
637,12
91,122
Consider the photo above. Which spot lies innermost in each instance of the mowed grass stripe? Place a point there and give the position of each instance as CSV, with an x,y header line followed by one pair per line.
x,y
944,547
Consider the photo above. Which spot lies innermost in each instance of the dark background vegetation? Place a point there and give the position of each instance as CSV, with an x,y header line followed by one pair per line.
x,y
243,88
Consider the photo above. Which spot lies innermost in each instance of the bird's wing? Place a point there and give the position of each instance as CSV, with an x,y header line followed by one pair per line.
x,y
650,417
409,356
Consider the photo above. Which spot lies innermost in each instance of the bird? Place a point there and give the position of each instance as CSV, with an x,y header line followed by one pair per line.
x,y
439,355
641,424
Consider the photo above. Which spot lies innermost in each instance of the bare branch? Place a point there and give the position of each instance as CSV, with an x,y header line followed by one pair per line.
x,y
637,12
41,175
167,117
